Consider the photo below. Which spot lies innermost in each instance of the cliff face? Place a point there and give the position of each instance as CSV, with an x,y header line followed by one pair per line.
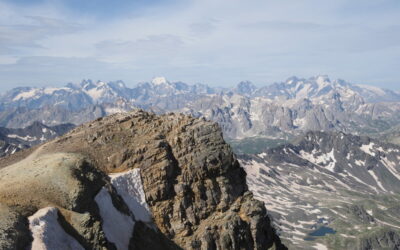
x,y
171,181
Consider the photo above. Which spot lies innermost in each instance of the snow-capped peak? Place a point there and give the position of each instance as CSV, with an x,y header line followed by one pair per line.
x,y
36,93
101,84
159,80
121,84
322,81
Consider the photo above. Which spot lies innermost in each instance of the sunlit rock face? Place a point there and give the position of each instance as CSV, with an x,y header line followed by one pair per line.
x,y
136,181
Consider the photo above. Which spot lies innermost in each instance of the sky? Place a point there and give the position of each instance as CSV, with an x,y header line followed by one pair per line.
x,y
217,42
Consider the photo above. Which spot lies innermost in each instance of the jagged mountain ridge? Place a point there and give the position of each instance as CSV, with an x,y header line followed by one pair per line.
x,y
167,182
291,107
348,183
295,88
14,140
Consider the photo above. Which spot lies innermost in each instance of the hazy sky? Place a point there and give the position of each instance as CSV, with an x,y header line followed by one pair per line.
x,y
218,42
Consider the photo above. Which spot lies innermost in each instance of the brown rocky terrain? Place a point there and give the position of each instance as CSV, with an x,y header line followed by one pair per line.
x,y
195,188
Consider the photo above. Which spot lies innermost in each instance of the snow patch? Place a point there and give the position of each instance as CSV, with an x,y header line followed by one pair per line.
x,y
129,186
375,90
117,227
47,232
360,163
391,166
332,163
26,138
262,155
371,172
324,159
300,122
50,90
368,148
96,93
115,110
25,95
320,246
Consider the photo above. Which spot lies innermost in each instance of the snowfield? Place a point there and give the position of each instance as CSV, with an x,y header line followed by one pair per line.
x,y
47,232
118,227
129,186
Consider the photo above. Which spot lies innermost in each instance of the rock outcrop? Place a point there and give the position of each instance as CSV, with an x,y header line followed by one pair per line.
x,y
187,190
385,239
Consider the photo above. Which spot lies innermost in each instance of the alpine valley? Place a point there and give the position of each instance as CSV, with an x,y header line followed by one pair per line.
x,y
330,189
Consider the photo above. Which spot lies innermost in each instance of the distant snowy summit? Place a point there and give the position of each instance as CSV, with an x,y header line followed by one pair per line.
x,y
292,88
159,80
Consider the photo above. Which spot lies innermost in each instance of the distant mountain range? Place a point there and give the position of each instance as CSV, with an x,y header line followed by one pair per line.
x,y
14,140
276,111
327,189
334,189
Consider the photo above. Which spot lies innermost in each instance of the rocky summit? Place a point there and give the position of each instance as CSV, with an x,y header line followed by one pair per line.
x,y
131,181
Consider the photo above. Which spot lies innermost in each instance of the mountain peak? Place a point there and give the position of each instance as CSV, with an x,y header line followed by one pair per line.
x,y
87,84
159,80
115,168
292,79
322,82
100,83
245,87
322,79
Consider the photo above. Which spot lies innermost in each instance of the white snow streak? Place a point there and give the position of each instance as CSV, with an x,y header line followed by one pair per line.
x,y
391,166
320,246
26,138
371,172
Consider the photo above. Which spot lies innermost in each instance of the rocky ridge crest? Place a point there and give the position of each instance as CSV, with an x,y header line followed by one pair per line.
x,y
195,188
